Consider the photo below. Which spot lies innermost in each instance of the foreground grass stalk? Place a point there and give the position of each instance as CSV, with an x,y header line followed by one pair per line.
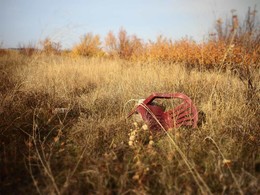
x,y
223,157
35,183
41,157
66,184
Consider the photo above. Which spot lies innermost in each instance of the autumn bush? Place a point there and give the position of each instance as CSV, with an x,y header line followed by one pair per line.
x,y
124,46
50,47
89,46
234,44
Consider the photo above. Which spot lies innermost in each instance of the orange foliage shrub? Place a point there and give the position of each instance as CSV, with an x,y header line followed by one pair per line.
x,y
90,46
50,47
124,46
233,45
207,55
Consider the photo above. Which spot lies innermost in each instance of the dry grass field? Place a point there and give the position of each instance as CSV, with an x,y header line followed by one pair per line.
x,y
85,150
63,125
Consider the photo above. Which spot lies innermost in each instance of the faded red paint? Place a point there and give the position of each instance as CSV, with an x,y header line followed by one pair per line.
x,y
185,114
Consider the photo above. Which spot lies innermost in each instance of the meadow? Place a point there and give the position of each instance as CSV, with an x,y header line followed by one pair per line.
x,y
63,118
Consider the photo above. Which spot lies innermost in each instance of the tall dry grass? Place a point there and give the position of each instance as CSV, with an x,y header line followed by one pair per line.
x,y
83,148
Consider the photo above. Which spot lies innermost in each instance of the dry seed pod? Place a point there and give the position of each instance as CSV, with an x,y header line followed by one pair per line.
x,y
135,124
136,177
132,138
227,162
145,127
130,143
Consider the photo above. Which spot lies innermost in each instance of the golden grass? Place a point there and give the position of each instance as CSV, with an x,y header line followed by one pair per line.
x,y
85,149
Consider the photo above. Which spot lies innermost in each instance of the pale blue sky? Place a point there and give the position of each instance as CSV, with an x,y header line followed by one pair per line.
x,y
24,21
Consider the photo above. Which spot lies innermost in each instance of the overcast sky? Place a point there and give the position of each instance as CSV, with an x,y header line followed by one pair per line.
x,y
24,21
